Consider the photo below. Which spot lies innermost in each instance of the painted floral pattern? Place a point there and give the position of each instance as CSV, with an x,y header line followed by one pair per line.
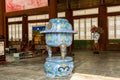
x,y
57,67
58,32
15,5
56,40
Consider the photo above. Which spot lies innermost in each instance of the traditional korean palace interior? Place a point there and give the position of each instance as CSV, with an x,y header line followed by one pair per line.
x,y
59,39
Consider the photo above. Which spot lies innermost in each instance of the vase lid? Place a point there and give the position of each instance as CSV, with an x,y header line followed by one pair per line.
x,y
59,25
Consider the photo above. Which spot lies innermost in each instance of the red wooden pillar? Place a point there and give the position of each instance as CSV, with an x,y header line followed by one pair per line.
x,y
69,17
53,9
25,29
102,22
2,11
3,36
53,14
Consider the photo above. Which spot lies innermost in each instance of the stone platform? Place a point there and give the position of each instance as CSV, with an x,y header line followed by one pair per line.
x,y
79,76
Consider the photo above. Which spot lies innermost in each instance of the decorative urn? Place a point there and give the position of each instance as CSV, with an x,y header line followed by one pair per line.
x,y
58,33
96,37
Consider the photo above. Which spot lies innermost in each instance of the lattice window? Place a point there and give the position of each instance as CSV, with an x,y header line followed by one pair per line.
x,y
85,12
114,27
15,19
113,9
38,17
15,32
83,26
61,14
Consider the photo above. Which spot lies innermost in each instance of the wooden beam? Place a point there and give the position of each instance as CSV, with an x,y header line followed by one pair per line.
x,y
102,2
34,21
85,16
28,12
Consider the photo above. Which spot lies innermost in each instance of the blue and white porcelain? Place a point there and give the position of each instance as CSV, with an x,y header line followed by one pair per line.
x,y
58,33
58,67
96,37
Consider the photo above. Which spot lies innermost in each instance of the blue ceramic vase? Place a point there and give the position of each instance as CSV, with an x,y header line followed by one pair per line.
x,y
58,67
58,33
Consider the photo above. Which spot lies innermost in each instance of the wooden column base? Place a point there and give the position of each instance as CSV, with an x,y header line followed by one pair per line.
x,y
96,48
2,60
96,52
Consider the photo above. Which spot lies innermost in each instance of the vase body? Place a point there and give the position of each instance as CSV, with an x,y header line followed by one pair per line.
x,y
96,37
58,31
55,40
58,67
58,34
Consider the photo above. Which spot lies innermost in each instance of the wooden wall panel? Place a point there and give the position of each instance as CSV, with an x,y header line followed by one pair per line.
x,y
84,3
2,9
112,2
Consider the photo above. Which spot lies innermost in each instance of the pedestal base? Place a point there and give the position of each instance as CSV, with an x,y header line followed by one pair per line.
x,y
58,67
2,60
96,52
